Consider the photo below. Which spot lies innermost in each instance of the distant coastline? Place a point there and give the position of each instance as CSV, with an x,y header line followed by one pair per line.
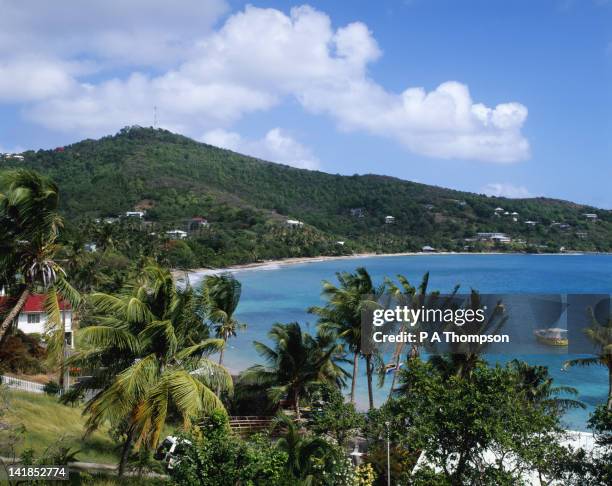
x,y
286,262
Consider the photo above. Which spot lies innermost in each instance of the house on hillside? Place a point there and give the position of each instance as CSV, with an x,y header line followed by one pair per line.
x,y
197,223
493,237
389,219
135,214
177,234
428,249
590,216
33,317
294,223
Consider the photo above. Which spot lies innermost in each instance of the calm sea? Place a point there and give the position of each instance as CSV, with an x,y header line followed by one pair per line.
x,y
283,293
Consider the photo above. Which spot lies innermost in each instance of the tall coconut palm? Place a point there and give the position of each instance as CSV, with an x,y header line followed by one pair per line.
x,y
150,359
601,336
296,363
413,297
342,314
221,295
30,224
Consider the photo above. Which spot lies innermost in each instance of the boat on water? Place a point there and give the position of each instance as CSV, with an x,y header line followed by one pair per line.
x,y
552,336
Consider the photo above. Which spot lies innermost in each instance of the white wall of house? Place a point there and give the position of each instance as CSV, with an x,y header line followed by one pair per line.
x,y
30,322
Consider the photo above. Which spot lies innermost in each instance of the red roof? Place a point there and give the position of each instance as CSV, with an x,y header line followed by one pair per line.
x,y
36,303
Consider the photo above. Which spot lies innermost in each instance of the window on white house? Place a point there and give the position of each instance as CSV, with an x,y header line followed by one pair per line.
x,y
33,318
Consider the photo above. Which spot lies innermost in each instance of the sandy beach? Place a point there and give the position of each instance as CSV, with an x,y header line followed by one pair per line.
x,y
284,262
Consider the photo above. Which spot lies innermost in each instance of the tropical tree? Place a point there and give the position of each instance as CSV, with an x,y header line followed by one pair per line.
x,y
460,359
413,297
465,429
302,449
29,250
601,336
221,295
537,386
342,314
296,363
149,350
30,225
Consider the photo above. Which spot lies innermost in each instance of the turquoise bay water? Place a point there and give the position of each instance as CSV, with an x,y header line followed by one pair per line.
x,y
283,293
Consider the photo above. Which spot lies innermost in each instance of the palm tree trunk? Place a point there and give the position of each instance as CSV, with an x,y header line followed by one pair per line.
x,y
296,405
354,378
14,313
221,353
609,386
369,377
218,390
125,451
62,371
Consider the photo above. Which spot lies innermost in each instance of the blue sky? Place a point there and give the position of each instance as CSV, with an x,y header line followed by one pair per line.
x,y
508,98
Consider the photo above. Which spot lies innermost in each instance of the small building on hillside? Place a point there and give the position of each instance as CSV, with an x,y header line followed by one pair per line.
x,y
590,216
294,223
177,234
357,212
494,237
33,316
428,249
389,219
531,223
135,214
197,223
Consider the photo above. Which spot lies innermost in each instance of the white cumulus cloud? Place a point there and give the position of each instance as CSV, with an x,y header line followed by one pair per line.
x,y
257,59
276,146
506,190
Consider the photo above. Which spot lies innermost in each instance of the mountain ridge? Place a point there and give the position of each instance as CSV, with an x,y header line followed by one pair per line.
x,y
183,178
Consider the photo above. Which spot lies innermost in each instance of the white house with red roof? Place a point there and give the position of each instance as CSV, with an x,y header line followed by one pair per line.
x,y
33,317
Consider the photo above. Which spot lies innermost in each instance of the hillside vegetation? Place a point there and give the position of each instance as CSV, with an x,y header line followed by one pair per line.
x,y
247,202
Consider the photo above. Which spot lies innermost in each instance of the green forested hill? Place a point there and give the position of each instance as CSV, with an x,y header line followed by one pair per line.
x,y
176,178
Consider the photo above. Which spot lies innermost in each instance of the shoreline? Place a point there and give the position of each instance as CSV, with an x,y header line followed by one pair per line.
x,y
286,262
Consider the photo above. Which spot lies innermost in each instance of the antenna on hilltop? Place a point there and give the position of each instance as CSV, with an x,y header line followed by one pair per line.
x,y
155,116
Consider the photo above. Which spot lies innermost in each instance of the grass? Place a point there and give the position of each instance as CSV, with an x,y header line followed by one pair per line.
x,y
46,421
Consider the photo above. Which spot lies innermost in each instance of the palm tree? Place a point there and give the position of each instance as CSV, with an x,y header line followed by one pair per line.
x,y
342,314
462,358
413,297
221,295
601,336
296,363
30,222
28,252
537,386
151,356
300,448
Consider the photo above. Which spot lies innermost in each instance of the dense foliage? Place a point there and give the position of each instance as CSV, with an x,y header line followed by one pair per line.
x,y
144,342
247,200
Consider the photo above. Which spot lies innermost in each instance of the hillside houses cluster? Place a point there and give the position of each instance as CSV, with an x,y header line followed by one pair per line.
x,y
9,156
